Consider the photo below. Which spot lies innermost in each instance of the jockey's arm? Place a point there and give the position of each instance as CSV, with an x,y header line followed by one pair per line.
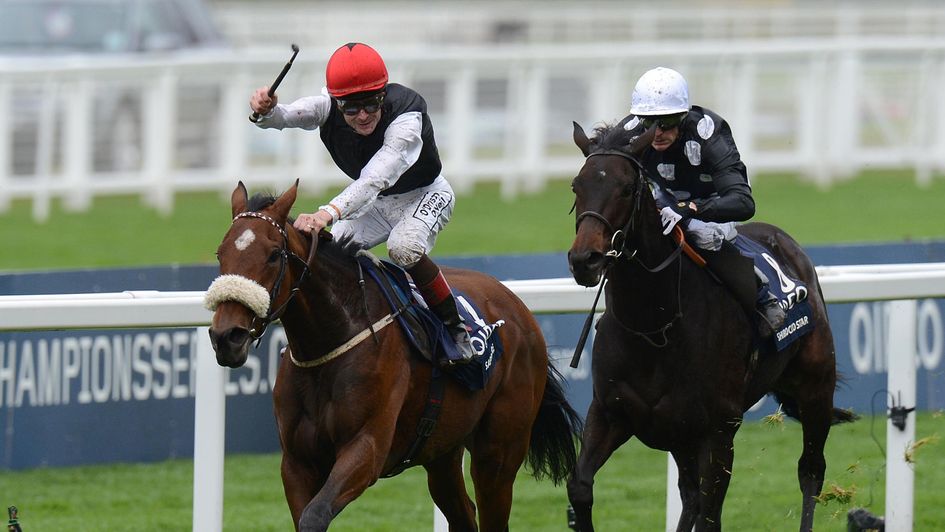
x,y
733,201
308,112
400,150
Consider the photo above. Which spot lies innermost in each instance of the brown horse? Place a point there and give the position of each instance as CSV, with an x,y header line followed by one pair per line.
x,y
674,359
350,417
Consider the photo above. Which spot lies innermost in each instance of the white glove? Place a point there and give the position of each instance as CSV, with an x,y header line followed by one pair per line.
x,y
669,218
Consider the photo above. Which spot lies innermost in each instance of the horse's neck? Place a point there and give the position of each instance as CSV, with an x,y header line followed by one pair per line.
x,y
647,248
646,239
326,311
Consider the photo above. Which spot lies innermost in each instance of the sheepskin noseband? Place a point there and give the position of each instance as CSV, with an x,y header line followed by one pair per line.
x,y
240,289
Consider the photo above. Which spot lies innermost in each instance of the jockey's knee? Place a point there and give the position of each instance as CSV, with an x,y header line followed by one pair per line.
x,y
404,252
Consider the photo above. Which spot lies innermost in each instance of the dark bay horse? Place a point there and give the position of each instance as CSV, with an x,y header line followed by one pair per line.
x,y
674,362
352,414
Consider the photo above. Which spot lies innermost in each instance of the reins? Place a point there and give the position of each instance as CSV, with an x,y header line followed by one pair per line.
x,y
371,330
618,249
274,314
256,332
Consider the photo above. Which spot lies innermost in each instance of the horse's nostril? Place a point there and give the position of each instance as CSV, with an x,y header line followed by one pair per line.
x,y
594,260
586,260
578,258
237,336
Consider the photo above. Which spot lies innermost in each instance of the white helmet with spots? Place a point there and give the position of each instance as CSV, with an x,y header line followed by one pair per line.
x,y
661,91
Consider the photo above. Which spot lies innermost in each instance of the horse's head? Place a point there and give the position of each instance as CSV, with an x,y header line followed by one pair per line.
x,y
608,192
260,268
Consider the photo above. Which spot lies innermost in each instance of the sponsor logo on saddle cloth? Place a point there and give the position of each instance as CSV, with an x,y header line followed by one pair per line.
x,y
790,293
402,291
486,345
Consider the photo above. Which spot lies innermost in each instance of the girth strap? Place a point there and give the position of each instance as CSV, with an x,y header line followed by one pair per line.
x,y
428,419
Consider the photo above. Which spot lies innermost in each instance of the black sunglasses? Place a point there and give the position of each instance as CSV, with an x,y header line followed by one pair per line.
x,y
665,123
353,107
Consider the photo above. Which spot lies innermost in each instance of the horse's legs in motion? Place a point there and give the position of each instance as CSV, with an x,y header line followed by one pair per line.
x,y
815,410
498,450
601,437
688,468
815,420
357,466
813,366
300,482
448,490
715,456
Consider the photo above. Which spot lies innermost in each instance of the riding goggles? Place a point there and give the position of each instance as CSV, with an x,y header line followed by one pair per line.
x,y
370,105
666,123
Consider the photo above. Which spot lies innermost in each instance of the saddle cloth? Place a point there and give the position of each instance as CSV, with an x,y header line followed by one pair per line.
x,y
790,292
427,335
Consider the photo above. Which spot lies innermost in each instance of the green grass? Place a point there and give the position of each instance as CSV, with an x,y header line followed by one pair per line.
x,y
629,490
121,231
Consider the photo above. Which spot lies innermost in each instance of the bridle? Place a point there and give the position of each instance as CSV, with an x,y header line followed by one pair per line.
x,y
252,295
257,331
618,249
618,240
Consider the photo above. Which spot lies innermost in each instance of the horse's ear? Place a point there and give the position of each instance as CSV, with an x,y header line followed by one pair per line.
x,y
238,199
282,205
640,142
580,138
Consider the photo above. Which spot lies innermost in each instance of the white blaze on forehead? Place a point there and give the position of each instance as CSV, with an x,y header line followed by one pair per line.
x,y
245,239
603,174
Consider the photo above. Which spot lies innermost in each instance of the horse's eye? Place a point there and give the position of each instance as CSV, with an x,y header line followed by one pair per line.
x,y
274,256
627,190
217,255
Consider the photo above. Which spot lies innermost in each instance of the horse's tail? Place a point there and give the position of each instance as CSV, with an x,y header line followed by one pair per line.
x,y
790,409
552,449
843,415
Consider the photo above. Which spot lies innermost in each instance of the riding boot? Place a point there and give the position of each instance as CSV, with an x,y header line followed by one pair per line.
x,y
772,314
736,272
436,292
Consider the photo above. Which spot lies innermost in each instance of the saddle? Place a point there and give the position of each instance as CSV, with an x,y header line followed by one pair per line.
x,y
427,335
791,293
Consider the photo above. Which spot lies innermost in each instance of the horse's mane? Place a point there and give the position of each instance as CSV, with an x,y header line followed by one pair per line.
x,y
339,249
260,201
612,136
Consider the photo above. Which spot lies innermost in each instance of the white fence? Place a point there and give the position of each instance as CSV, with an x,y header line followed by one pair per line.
x,y
450,22
175,309
826,108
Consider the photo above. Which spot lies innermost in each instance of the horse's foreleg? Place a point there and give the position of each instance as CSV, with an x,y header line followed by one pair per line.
x,y
448,490
357,466
716,454
601,438
687,465
300,482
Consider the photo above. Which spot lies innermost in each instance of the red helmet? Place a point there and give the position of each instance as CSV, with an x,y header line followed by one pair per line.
x,y
355,67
